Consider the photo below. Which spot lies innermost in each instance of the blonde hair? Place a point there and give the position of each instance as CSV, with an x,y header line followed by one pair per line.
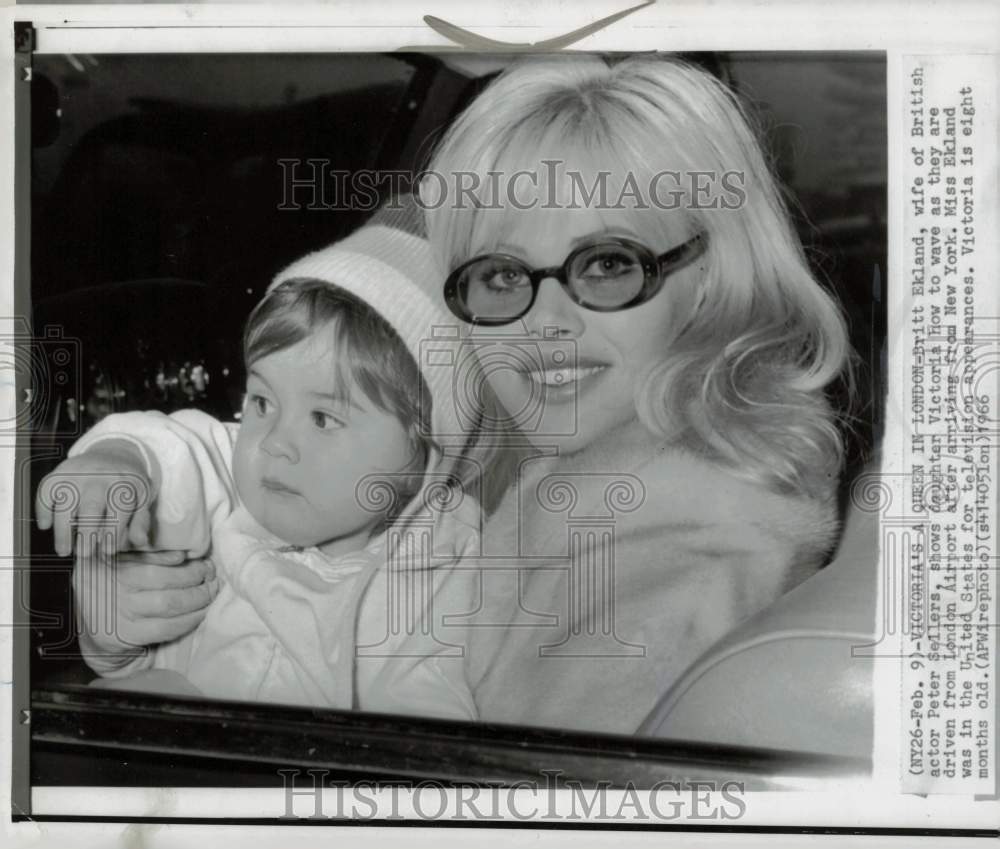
x,y
755,344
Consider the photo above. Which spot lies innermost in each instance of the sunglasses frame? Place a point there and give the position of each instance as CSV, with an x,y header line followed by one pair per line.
x,y
656,270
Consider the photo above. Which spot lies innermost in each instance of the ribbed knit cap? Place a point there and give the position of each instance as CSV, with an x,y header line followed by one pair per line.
x,y
389,265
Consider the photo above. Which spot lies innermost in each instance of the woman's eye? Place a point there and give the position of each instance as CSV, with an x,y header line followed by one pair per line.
x,y
610,265
505,281
500,278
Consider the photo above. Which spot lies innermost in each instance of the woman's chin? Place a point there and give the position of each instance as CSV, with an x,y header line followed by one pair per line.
x,y
566,417
568,436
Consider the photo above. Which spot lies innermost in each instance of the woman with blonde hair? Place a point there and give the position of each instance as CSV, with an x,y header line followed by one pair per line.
x,y
644,313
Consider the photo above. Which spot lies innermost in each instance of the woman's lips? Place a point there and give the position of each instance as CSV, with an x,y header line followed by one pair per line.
x,y
559,385
562,376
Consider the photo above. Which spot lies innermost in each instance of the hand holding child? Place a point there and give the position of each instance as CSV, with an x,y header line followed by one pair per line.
x,y
144,598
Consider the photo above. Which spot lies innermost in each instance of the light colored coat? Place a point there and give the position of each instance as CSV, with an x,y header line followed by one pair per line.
x,y
618,566
288,622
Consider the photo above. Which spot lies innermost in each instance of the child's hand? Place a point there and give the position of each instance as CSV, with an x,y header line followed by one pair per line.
x,y
106,490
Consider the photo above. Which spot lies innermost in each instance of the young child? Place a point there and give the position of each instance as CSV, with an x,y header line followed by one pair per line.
x,y
304,506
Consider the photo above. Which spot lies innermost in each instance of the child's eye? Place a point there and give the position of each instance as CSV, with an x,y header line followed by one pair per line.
x,y
259,404
324,421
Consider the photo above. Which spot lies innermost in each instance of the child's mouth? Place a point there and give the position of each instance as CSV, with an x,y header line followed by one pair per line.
x,y
277,487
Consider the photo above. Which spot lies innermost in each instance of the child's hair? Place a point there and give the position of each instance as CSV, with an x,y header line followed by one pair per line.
x,y
370,358
754,345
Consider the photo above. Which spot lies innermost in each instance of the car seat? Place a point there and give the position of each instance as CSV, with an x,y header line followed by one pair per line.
x,y
795,676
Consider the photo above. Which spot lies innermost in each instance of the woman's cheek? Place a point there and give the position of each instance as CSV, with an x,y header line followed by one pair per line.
x,y
508,389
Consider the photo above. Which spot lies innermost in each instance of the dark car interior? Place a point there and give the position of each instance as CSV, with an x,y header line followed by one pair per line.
x,y
160,210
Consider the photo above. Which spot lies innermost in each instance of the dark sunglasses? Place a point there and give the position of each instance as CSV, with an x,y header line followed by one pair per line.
x,y
606,276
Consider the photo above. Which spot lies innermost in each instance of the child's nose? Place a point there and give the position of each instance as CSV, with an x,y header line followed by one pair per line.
x,y
280,442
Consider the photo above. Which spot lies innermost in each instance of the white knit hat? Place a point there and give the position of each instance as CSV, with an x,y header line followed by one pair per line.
x,y
388,264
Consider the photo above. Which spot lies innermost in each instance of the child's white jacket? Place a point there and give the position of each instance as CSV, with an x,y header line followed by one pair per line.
x,y
294,625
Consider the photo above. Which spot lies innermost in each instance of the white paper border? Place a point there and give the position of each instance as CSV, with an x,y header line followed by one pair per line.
x,y
896,27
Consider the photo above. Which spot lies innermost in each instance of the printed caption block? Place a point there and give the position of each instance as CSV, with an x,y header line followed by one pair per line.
x,y
943,450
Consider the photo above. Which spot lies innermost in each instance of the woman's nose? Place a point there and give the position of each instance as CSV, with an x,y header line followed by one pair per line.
x,y
553,308
280,442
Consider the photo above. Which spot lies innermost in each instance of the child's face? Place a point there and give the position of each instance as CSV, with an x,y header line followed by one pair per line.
x,y
301,451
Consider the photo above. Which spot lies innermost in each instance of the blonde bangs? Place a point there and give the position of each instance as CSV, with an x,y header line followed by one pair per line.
x,y
757,341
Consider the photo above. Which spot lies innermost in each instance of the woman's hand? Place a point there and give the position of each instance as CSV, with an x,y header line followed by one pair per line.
x,y
138,599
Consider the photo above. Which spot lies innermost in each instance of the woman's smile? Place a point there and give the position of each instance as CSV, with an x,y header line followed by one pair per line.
x,y
560,385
